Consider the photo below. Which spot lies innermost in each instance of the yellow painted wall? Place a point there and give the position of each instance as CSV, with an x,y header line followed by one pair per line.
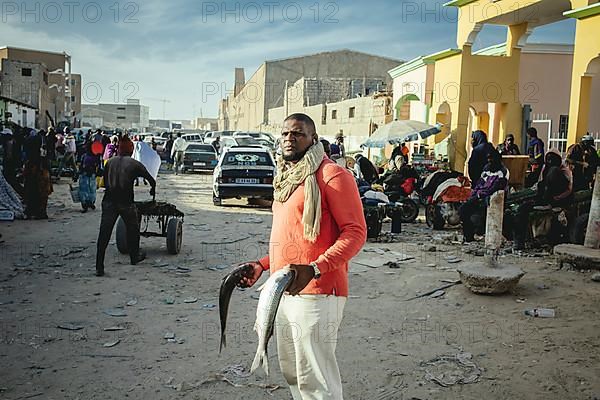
x,y
586,50
446,90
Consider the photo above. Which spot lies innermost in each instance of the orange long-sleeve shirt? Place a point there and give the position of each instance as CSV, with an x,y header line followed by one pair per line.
x,y
343,231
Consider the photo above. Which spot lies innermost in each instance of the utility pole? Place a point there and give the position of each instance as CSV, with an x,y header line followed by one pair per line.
x,y
164,104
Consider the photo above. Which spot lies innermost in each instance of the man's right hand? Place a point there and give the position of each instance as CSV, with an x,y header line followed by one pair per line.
x,y
257,271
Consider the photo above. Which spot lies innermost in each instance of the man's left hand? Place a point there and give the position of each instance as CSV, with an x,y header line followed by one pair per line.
x,y
304,274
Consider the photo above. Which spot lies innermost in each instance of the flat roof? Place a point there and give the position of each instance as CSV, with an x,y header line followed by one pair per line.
x,y
33,50
8,99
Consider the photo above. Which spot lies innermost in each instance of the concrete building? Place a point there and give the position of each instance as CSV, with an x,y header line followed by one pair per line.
x,y
131,115
65,99
159,124
247,108
27,83
354,108
544,87
18,112
62,99
207,124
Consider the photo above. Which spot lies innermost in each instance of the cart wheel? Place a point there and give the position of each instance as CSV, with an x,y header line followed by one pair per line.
x,y
174,235
410,211
121,236
217,201
578,229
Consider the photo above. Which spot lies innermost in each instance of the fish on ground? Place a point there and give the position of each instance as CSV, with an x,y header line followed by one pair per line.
x,y
228,284
268,303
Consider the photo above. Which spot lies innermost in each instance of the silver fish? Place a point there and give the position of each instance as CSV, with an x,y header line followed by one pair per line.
x,y
228,284
268,303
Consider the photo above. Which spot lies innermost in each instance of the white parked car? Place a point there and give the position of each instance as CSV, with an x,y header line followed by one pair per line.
x,y
193,137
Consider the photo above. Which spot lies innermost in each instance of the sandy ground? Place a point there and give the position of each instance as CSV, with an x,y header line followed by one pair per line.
x,y
47,280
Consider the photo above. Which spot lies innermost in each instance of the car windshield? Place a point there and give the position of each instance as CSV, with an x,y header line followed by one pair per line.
x,y
200,147
247,159
246,141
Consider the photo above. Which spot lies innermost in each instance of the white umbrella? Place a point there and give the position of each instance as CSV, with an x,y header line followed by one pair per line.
x,y
400,131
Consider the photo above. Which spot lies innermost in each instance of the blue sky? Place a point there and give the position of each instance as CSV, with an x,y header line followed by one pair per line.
x,y
157,49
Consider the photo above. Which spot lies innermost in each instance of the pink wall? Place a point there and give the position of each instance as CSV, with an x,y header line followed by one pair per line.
x,y
545,84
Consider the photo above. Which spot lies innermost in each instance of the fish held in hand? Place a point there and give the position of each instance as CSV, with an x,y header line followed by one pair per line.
x,y
268,303
228,284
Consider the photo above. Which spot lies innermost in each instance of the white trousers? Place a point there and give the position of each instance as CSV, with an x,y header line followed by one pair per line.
x,y
307,329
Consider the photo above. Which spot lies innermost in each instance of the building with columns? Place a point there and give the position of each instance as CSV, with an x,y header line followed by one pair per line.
x,y
466,81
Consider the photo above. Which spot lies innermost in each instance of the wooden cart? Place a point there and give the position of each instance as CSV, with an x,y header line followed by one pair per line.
x,y
170,225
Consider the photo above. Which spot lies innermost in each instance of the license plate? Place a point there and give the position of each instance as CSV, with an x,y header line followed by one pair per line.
x,y
199,164
246,180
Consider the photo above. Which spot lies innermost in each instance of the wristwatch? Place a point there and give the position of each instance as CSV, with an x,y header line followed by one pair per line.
x,y
316,269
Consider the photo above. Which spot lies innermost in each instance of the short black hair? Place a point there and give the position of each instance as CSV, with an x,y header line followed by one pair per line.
x,y
326,146
532,132
303,118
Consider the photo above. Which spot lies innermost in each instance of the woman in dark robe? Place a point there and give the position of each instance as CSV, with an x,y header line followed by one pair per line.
x,y
38,185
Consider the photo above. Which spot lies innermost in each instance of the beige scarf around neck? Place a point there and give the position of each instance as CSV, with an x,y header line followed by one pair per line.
x,y
290,176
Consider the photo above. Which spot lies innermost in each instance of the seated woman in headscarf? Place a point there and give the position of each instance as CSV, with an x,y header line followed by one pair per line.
x,y
555,184
493,178
574,161
509,148
554,189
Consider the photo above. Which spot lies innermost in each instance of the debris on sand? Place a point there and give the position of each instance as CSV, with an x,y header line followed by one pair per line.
x,y
437,290
70,327
190,300
219,267
112,344
114,328
132,302
250,220
429,248
235,375
115,312
453,369
438,293
392,264
228,241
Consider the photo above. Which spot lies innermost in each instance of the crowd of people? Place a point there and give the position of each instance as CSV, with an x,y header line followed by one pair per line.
x,y
34,159
553,178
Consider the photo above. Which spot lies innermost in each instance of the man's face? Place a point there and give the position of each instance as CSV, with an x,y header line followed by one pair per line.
x,y
510,140
295,140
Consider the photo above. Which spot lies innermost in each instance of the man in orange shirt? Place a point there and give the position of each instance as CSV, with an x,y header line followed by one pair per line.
x,y
318,226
